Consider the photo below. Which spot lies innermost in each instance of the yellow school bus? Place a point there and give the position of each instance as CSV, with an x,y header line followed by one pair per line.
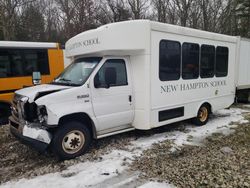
x,y
18,60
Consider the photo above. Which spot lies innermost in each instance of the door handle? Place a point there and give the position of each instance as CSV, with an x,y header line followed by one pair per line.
x,y
130,98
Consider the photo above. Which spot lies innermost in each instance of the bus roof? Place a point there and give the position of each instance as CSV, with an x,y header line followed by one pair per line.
x,y
17,44
129,37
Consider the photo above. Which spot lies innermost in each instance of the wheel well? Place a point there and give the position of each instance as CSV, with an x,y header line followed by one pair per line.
x,y
208,105
81,117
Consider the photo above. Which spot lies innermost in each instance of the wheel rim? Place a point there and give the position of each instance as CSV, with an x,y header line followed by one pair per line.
x,y
73,142
203,114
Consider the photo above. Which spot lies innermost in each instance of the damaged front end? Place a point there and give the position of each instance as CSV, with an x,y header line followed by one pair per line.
x,y
27,123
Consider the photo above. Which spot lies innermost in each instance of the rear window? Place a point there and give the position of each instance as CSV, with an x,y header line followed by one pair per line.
x,y
221,61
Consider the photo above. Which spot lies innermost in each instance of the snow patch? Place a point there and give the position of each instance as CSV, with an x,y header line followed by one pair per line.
x,y
80,175
156,185
94,173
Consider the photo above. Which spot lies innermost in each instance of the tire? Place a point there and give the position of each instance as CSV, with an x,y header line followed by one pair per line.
x,y
71,140
202,115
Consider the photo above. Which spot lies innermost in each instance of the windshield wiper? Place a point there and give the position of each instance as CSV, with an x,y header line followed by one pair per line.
x,y
64,79
67,82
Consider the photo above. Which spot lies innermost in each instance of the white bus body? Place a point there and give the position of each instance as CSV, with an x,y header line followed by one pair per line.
x,y
244,64
149,74
138,41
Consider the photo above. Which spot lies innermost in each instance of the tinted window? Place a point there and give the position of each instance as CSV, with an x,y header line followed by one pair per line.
x,y
221,61
36,60
5,65
113,73
170,60
22,62
190,60
17,63
207,61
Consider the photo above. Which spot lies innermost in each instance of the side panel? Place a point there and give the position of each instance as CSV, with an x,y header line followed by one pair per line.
x,y
189,94
141,90
244,65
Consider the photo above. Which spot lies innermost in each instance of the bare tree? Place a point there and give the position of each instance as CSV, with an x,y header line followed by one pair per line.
x,y
31,23
62,19
160,7
242,11
84,18
67,13
138,8
8,11
51,15
183,8
166,11
114,10
195,15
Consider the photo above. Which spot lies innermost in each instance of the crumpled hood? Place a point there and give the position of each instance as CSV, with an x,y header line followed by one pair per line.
x,y
33,92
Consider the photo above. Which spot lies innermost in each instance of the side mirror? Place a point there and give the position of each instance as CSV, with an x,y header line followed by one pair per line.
x,y
36,78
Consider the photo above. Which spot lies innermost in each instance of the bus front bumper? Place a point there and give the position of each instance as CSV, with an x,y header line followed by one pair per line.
x,y
30,134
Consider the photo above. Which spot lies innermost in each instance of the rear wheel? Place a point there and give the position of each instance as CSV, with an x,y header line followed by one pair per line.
x,y
71,140
202,115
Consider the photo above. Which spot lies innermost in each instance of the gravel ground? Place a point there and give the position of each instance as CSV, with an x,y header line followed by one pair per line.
x,y
223,161
19,161
190,166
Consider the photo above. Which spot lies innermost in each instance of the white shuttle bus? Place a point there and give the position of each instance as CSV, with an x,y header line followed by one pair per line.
x,y
125,76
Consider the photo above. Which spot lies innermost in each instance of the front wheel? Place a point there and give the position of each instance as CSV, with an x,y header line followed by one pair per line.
x,y
202,115
71,140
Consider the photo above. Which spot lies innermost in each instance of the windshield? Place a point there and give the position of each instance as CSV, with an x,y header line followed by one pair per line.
x,y
77,73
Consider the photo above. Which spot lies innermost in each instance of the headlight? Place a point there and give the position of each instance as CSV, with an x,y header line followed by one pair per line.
x,y
42,113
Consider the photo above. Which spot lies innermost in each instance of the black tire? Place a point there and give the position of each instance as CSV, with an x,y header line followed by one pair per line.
x,y
60,144
202,115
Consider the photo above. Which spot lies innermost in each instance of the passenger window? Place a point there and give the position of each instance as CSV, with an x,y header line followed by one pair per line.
x,y
43,61
31,64
221,61
207,61
113,73
190,61
22,62
36,60
17,63
5,70
170,60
